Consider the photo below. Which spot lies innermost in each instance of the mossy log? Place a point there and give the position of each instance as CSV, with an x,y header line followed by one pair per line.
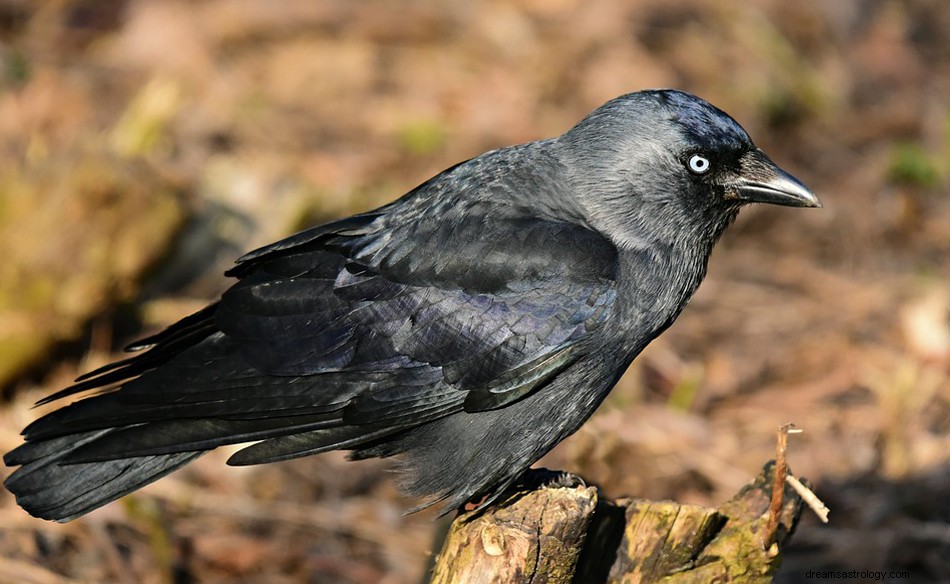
x,y
562,535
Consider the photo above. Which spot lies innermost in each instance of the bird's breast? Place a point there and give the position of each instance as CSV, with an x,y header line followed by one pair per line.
x,y
653,287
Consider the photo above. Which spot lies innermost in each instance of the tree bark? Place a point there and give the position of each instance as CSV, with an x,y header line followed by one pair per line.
x,y
562,535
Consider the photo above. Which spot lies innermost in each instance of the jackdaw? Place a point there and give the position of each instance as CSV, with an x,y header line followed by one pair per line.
x,y
465,329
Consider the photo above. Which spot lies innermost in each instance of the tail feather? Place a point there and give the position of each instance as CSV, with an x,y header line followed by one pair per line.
x,y
163,347
308,443
173,436
47,489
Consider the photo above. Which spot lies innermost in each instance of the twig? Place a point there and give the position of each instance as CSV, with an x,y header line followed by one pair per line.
x,y
809,497
778,483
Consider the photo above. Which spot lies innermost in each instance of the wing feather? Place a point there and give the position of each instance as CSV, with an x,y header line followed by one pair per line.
x,y
335,338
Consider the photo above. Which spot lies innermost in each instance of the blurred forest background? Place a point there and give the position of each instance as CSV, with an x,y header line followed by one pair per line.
x,y
146,144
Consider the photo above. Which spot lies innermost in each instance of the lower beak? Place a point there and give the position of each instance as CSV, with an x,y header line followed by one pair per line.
x,y
762,181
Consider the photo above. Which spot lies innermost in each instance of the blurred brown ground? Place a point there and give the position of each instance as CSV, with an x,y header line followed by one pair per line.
x,y
145,144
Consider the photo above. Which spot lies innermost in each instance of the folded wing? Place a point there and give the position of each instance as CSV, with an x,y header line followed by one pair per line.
x,y
336,338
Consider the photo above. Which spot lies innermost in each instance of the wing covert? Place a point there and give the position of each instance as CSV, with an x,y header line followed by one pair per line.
x,y
498,307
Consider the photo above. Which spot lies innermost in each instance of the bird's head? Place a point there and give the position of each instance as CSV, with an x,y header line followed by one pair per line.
x,y
668,165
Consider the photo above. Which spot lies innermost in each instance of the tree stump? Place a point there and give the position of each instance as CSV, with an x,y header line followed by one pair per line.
x,y
563,535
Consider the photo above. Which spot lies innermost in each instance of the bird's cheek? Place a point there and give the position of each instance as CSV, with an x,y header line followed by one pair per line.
x,y
716,193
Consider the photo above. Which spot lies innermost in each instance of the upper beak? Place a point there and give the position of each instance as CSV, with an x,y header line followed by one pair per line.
x,y
762,181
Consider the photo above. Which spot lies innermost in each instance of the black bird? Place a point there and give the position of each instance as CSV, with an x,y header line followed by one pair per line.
x,y
466,328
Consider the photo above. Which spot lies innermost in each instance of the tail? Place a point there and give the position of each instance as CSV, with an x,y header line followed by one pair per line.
x,y
61,492
188,394
50,485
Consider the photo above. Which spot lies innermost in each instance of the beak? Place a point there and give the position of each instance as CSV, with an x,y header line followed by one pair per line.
x,y
762,181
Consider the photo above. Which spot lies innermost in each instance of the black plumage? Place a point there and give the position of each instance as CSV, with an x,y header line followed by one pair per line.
x,y
465,328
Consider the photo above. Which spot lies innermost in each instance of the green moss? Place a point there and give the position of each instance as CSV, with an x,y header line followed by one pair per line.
x,y
911,165
685,390
16,69
422,137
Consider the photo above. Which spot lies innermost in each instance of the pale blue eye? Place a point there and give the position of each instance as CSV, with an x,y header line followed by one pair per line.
x,y
698,164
